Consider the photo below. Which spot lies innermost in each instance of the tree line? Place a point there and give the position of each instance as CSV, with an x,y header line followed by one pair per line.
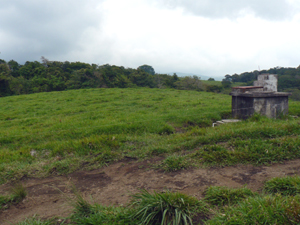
x,y
46,76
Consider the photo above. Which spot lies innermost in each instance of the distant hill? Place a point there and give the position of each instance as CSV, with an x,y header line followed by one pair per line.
x,y
192,74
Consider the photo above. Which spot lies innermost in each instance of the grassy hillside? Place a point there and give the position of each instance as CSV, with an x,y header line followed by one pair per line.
x,y
59,132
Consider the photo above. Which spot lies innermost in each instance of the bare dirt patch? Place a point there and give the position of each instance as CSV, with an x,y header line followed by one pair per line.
x,y
114,184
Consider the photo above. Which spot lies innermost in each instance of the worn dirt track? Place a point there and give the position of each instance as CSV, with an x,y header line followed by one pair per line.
x,y
112,185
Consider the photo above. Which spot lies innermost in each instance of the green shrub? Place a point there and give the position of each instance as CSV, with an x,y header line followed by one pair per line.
x,y
165,208
221,196
283,185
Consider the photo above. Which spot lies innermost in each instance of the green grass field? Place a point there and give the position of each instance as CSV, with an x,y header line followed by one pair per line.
x,y
61,132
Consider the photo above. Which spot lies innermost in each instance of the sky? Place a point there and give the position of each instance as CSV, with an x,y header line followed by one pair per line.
x,y
204,37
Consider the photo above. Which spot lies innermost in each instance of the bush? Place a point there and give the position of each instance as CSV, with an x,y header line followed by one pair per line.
x,y
165,208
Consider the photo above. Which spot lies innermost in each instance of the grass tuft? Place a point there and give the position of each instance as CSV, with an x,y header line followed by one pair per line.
x,y
283,185
269,209
220,196
18,193
82,208
174,163
165,208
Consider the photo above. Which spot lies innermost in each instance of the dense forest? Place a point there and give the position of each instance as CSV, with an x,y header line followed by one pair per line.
x,y
288,79
45,76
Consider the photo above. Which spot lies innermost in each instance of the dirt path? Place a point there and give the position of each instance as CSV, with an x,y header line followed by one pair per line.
x,y
113,185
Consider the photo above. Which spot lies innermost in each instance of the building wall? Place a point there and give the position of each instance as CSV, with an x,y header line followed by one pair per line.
x,y
242,107
272,107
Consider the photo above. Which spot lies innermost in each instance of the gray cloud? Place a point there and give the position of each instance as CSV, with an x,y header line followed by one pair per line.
x,y
32,28
267,9
155,32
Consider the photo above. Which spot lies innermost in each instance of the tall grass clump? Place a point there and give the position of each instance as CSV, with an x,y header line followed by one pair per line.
x,y
166,208
283,185
221,196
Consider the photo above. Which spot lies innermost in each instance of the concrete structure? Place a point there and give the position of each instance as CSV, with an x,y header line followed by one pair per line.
x,y
261,98
268,81
224,121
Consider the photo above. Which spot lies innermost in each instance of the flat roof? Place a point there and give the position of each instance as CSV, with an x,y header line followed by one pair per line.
x,y
247,87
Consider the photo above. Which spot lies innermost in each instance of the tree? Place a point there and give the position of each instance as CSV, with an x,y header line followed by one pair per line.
x,y
189,83
211,79
5,78
147,69
228,78
14,67
226,83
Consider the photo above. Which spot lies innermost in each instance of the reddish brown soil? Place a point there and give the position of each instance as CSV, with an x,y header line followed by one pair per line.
x,y
113,185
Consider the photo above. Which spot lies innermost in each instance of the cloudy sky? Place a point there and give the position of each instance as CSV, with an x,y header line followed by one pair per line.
x,y
206,37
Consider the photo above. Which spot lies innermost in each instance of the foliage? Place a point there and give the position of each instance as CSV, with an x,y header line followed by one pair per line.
x,y
33,77
147,68
189,83
283,185
165,208
226,83
221,196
